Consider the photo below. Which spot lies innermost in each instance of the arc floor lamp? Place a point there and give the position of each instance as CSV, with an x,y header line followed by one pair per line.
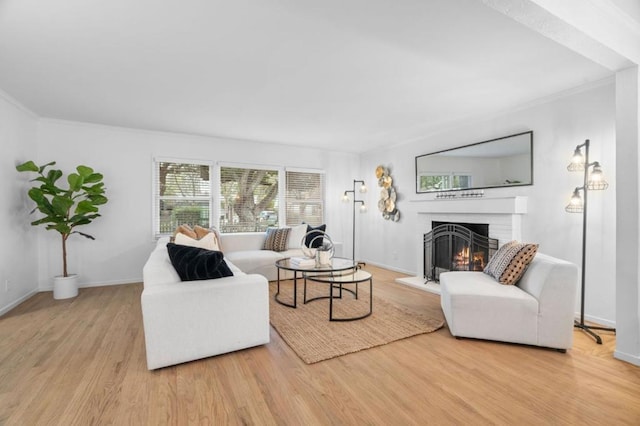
x,y
593,181
363,209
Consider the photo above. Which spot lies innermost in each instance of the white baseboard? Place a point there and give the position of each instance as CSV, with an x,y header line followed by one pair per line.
x,y
596,320
391,268
15,303
631,359
99,283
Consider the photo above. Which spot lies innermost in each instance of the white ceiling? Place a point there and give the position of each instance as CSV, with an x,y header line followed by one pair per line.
x,y
348,75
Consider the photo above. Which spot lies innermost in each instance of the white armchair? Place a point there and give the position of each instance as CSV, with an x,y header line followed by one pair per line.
x,y
539,310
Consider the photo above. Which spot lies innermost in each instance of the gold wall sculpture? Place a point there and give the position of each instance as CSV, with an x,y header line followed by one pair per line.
x,y
388,196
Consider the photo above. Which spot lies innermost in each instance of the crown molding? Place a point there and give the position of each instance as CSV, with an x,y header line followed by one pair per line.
x,y
14,102
207,138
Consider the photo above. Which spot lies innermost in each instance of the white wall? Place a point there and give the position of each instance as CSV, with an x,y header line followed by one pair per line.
x,y
124,156
628,204
18,259
559,125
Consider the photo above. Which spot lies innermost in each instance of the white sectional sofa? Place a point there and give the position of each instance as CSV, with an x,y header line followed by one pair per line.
x,y
245,251
185,321
538,310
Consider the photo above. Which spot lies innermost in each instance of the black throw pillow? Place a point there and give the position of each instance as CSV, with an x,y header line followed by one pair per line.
x,y
311,241
194,263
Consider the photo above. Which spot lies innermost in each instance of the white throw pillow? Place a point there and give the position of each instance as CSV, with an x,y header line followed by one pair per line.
x,y
208,242
295,236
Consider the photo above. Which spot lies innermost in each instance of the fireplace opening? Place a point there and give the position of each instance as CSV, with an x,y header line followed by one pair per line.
x,y
457,247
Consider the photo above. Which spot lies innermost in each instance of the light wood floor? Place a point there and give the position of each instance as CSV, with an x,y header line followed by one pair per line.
x,y
82,362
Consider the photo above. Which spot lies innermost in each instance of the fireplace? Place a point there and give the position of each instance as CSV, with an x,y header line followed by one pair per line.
x,y
456,247
504,215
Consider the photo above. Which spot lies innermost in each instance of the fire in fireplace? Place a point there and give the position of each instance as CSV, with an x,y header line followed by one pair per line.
x,y
456,247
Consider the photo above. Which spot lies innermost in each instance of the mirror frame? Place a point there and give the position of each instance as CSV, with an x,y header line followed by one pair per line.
x,y
529,132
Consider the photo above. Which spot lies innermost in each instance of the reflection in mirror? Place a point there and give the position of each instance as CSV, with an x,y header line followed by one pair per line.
x,y
506,161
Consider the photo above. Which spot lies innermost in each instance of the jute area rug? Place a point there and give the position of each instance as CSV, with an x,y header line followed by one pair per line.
x,y
308,331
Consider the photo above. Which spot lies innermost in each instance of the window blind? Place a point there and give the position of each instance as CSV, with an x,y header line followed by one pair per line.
x,y
182,195
304,200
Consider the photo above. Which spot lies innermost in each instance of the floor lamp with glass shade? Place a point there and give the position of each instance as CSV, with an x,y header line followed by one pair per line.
x,y
593,180
363,209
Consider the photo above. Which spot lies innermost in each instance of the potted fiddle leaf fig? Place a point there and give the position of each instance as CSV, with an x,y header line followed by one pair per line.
x,y
64,209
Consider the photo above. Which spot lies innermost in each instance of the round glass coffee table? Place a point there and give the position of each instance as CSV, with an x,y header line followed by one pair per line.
x,y
336,283
337,264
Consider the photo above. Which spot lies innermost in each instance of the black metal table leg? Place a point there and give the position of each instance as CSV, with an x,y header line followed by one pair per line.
x,y
295,291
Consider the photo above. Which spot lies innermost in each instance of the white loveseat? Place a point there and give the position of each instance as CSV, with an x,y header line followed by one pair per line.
x,y
185,321
538,310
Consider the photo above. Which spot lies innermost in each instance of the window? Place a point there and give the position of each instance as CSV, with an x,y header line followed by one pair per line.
x,y
244,198
444,181
433,182
248,199
304,201
461,181
182,194
254,198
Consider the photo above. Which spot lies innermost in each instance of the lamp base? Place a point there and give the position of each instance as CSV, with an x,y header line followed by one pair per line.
x,y
589,330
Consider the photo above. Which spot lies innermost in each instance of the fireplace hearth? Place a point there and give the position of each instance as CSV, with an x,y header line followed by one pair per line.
x,y
456,247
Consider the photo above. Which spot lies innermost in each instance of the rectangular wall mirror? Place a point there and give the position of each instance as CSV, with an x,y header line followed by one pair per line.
x,y
506,161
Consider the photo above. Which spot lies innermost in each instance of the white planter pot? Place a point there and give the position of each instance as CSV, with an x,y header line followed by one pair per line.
x,y
65,287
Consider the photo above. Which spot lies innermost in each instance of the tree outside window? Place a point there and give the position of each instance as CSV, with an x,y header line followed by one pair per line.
x,y
183,195
248,199
444,181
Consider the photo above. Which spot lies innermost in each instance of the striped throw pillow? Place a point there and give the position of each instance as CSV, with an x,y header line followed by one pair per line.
x,y
510,262
498,263
277,239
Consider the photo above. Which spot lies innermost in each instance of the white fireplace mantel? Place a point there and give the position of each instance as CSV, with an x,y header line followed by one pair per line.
x,y
501,205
